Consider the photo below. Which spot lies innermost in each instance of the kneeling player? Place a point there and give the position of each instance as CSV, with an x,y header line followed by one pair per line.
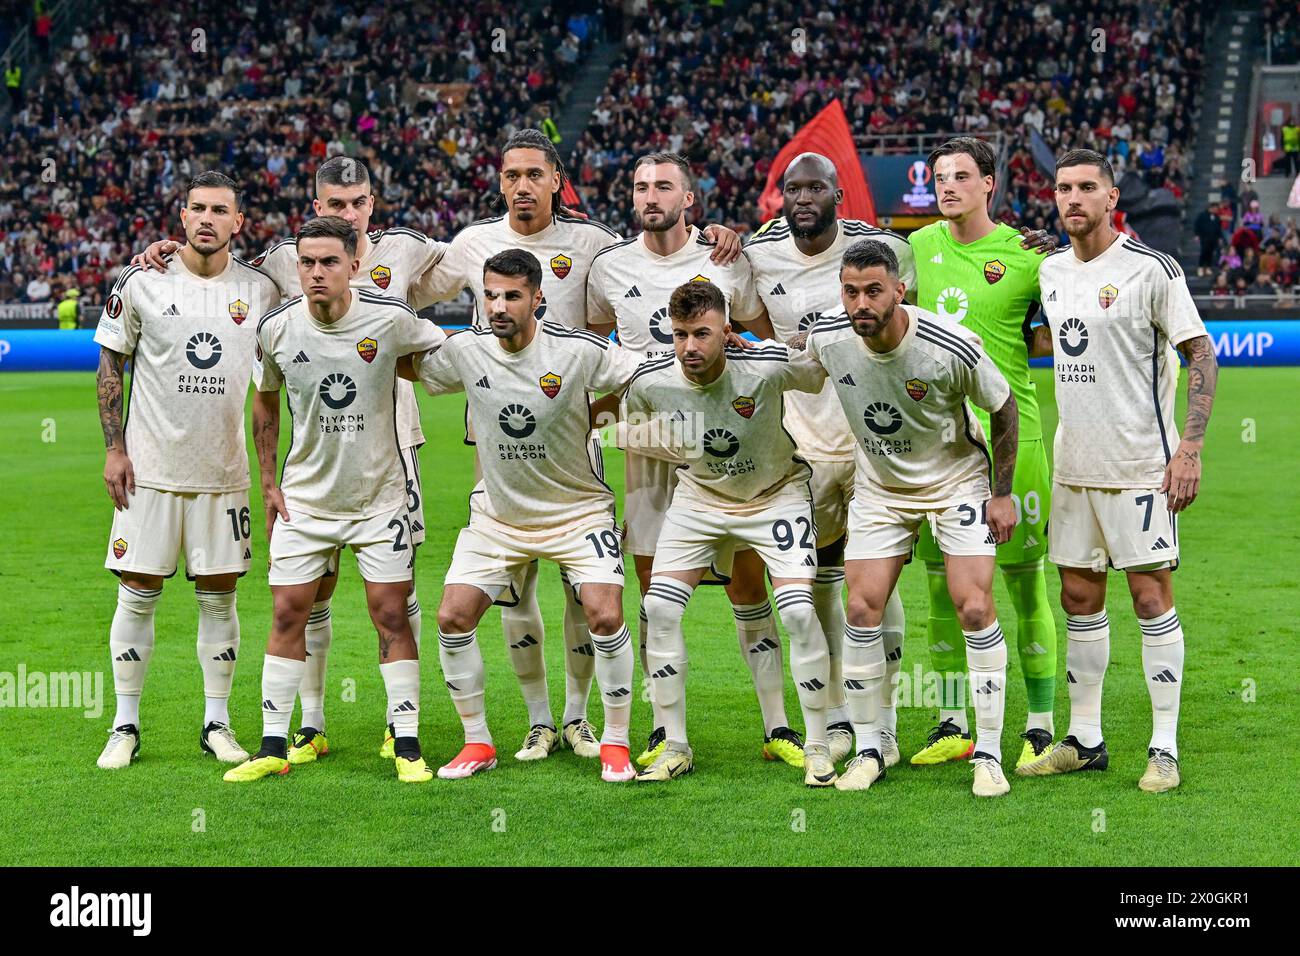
x,y
744,486
528,385
903,376
335,350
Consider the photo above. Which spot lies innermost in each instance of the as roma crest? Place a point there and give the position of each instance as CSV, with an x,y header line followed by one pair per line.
x,y
561,265
1106,295
367,349
550,383
917,389
701,279
744,405
994,270
381,276
238,311
119,547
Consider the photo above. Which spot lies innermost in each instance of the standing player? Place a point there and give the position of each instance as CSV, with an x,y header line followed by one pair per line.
x,y
391,261
903,375
985,276
745,486
628,289
796,263
528,385
1116,310
334,350
531,180
178,471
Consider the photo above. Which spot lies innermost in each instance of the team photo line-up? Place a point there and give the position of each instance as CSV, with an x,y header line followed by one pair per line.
x,y
886,412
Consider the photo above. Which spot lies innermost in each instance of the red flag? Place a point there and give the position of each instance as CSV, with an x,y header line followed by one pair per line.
x,y
827,133
569,197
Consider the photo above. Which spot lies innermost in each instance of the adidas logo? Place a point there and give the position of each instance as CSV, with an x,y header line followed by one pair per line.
x,y
941,646
937,258
1051,296
989,539
988,688
848,380
128,655
632,293
450,685
416,526
618,569
1031,541
482,383
1035,648
678,416
300,358
808,561
779,290
586,650
227,655
248,554
267,705
404,707
172,310
1160,545
619,692
854,685
667,671
766,644
813,684
895,655
1165,677
526,641
1069,678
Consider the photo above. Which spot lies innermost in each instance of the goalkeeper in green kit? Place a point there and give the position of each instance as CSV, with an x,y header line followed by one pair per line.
x,y
978,273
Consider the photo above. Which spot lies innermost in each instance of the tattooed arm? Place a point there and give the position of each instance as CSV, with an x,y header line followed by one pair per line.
x,y
1182,478
119,475
1006,439
266,439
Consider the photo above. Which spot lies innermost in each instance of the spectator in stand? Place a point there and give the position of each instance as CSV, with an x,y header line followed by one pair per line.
x,y
1210,232
1253,219
1221,290
1291,146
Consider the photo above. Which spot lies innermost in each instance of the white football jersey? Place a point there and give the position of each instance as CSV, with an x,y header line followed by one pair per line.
x,y
395,259
630,286
796,288
191,343
1114,323
739,458
565,250
918,446
340,381
531,414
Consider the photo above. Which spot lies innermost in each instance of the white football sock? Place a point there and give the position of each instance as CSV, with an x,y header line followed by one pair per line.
x,y
130,645
280,679
579,656
524,632
614,666
1162,659
414,615
320,632
462,672
760,646
864,683
665,604
1087,655
402,681
828,588
642,632
218,646
986,657
893,628
809,659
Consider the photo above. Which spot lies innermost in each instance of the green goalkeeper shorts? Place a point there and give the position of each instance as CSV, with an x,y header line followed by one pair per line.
x,y
1031,492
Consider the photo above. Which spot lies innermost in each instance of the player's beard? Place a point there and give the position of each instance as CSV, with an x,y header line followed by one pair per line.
x,y
882,322
825,219
1075,229
208,247
670,219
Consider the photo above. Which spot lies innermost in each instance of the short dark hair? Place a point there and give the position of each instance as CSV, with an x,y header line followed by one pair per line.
x,y
330,227
1087,157
670,159
690,300
215,180
342,171
866,253
977,149
516,262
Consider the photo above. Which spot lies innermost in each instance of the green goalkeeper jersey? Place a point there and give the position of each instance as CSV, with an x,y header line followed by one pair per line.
x,y
989,286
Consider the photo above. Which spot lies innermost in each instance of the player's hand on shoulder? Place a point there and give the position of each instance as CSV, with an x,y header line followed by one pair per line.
x,y
726,244
152,257
1182,479
1001,515
1040,240
738,341
119,477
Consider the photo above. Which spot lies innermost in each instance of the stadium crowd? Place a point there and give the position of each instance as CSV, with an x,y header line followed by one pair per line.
x,y
146,96
728,91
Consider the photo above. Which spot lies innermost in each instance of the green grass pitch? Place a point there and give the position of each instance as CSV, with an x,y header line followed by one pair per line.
x,y
1236,594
